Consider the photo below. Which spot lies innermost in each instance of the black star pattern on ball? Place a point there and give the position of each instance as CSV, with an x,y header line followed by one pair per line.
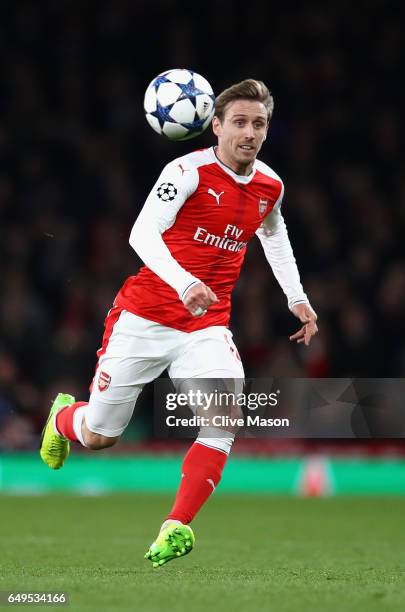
x,y
162,113
188,91
166,192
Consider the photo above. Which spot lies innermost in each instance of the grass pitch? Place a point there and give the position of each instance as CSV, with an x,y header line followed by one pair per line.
x,y
252,553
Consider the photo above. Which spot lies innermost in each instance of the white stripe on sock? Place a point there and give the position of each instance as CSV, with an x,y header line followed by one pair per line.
x,y
77,423
214,439
211,482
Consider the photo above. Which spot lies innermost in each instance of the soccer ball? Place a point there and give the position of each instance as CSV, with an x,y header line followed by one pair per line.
x,y
179,104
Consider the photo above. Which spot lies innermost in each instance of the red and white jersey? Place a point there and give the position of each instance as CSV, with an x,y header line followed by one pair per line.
x,y
195,226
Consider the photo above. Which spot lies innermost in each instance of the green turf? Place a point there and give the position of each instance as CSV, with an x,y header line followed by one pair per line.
x,y
252,553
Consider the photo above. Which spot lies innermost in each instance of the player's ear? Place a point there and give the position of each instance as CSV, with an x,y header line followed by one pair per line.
x,y
216,126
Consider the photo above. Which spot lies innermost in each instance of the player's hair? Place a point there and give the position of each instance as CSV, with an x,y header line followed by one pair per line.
x,y
249,89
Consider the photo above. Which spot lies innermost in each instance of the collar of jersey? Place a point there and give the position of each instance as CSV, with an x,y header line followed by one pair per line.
x,y
237,177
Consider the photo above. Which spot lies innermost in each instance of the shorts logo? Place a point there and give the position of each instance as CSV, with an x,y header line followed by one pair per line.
x,y
263,204
166,192
104,380
233,348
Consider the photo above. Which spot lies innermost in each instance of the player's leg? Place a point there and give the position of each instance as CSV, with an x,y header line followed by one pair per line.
x,y
96,424
208,354
131,355
66,424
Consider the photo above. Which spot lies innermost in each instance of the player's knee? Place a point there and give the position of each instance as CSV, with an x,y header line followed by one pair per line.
x,y
235,412
234,415
95,441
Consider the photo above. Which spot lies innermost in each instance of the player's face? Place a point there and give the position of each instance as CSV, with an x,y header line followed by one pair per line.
x,y
241,134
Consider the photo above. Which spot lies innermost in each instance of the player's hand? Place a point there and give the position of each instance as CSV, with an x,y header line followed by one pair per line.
x,y
198,299
308,316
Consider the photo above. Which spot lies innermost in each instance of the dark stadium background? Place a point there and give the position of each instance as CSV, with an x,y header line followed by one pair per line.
x,y
77,160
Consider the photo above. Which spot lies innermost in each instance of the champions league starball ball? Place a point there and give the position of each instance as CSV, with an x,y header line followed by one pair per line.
x,y
179,104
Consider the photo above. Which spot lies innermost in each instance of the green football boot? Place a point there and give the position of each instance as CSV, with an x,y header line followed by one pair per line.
x,y
172,542
54,449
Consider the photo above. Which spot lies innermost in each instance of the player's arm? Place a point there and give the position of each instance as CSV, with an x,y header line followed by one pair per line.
x,y
276,244
176,184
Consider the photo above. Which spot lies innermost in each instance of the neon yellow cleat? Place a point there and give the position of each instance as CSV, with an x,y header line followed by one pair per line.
x,y
54,449
172,542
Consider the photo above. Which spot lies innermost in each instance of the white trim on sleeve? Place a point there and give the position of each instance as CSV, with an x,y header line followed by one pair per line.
x,y
277,248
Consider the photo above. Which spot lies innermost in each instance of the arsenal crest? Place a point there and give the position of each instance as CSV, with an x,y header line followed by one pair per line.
x,y
104,380
263,204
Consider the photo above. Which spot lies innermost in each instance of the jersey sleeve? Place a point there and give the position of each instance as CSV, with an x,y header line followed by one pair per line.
x,y
177,182
277,248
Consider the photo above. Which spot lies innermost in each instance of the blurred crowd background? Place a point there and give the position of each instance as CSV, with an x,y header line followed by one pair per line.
x,y
77,160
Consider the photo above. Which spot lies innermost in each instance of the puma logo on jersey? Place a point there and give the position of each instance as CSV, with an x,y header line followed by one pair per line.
x,y
183,170
216,195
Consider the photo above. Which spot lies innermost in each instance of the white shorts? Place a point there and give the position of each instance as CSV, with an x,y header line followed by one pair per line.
x,y
135,351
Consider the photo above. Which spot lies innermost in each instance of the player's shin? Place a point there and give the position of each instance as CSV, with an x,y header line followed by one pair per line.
x,y
201,472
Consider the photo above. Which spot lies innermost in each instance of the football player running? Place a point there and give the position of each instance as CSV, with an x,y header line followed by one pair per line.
x,y
174,314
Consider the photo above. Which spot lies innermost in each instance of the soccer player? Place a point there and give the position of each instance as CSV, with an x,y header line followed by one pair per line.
x,y
192,235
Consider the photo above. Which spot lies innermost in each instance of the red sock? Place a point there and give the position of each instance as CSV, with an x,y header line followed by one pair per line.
x,y
64,421
201,472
